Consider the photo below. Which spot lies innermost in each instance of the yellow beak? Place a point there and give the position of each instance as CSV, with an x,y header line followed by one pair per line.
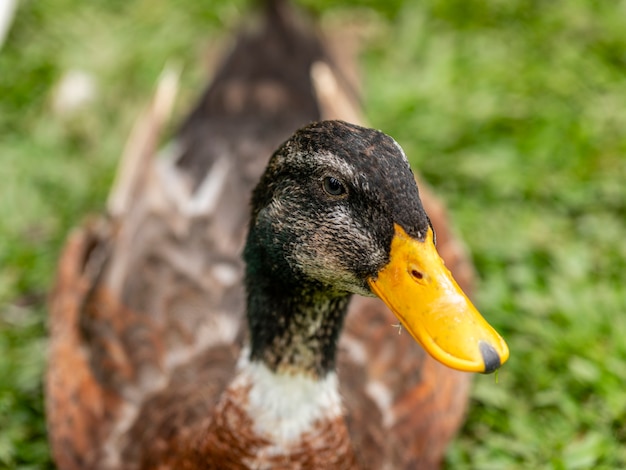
x,y
422,293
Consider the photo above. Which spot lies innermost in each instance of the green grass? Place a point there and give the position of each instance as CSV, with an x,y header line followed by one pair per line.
x,y
514,110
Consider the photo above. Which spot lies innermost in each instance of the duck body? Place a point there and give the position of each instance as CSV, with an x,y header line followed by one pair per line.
x,y
160,358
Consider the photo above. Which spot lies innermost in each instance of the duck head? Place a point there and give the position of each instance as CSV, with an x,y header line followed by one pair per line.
x,y
338,212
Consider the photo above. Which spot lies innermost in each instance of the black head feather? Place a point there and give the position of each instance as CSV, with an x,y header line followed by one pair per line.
x,y
308,244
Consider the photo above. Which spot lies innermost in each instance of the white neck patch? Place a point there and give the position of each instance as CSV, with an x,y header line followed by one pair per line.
x,y
284,406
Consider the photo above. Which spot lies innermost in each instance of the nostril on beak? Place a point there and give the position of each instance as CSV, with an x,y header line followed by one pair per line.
x,y
416,274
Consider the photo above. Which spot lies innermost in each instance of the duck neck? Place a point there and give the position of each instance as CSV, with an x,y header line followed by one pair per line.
x,y
294,330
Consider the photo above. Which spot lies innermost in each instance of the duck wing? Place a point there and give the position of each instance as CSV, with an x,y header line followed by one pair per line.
x,y
146,316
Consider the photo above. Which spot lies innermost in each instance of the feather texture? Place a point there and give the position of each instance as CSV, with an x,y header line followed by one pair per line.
x,y
147,315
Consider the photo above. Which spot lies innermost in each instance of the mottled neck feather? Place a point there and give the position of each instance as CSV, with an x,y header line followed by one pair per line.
x,y
295,329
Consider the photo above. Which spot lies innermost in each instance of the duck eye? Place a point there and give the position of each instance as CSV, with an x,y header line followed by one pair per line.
x,y
333,186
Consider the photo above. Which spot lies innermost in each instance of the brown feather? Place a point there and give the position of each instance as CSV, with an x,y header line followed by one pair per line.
x,y
147,312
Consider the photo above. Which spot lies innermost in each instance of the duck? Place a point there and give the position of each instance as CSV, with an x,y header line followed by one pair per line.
x,y
272,290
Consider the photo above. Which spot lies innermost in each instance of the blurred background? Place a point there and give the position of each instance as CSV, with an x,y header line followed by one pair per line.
x,y
514,110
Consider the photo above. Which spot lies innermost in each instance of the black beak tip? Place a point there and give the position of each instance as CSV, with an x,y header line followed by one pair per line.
x,y
491,358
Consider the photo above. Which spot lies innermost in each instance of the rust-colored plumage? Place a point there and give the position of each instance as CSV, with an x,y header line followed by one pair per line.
x,y
147,316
